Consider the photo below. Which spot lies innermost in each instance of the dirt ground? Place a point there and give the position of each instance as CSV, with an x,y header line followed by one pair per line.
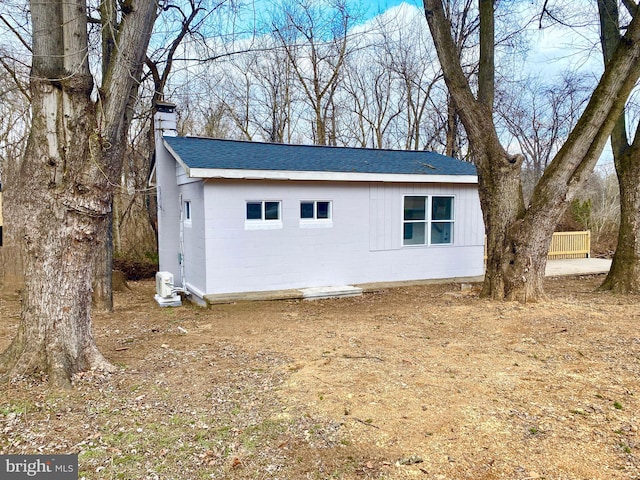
x,y
413,382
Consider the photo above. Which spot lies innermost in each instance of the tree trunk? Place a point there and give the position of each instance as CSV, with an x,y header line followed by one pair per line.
x,y
624,274
103,269
451,145
518,238
65,184
66,208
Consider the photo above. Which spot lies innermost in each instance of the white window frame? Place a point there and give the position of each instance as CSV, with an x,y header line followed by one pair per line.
x,y
428,221
187,212
263,223
316,222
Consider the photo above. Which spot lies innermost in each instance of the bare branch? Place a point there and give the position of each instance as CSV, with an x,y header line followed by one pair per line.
x,y
15,78
16,33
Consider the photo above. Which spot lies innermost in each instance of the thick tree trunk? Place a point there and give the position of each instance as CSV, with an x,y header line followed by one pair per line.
x,y
65,184
518,238
624,274
65,206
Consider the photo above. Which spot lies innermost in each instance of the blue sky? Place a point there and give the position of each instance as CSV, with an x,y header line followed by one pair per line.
x,y
374,7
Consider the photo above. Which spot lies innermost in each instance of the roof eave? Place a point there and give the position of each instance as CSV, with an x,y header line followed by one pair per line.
x,y
328,176
178,159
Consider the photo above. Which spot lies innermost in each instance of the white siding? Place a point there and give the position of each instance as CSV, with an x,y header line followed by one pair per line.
x,y
387,210
363,245
174,184
168,211
193,245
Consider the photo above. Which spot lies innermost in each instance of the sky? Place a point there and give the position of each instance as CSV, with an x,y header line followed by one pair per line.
x,y
375,7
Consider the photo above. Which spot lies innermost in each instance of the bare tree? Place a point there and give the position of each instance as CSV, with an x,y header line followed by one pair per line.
x,y
372,99
67,178
314,37
540,116
518,236
597,207
275,96
624,275
15,118
414,64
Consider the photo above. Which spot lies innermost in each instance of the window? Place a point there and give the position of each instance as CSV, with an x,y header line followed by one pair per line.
x,y
427,220
315,210
263,211
187,211
263,214
441,220
314,213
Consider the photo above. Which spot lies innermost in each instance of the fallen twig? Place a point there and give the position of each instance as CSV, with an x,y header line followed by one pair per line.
x,y
364,422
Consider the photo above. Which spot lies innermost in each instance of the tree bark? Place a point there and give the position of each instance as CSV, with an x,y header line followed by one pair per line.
x,y
65,207
624,274
65,185
518,238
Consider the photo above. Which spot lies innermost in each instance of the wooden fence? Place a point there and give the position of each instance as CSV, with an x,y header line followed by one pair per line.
x,y
566,245
570,245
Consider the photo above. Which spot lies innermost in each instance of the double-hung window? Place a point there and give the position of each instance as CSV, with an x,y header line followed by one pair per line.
x,y
263,214
427,220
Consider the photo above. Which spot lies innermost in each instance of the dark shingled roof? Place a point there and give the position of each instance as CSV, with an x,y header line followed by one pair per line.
x,y
231,154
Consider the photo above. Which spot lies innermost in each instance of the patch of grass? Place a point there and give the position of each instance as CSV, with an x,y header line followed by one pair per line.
x,y
90,454
578,411
625,448
22,408
534,431
617,405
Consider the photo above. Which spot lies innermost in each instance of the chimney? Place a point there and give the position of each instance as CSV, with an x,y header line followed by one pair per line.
x,y
165,120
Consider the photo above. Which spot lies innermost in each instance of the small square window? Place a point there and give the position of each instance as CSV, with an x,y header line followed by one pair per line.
x,y
254,210
315,210
271,210
323,210
315,214
263,215
306,210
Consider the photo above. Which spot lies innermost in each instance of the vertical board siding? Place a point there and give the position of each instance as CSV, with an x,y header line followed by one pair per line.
x,y
386,213
364,243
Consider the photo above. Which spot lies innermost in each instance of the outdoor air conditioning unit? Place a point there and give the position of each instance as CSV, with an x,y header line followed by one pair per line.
x,y
165,295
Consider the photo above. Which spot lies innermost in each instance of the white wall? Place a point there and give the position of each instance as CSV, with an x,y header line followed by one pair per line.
x,y
363,244
194,252
168,211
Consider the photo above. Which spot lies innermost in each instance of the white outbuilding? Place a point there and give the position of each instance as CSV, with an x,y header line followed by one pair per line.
x,y
242,218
